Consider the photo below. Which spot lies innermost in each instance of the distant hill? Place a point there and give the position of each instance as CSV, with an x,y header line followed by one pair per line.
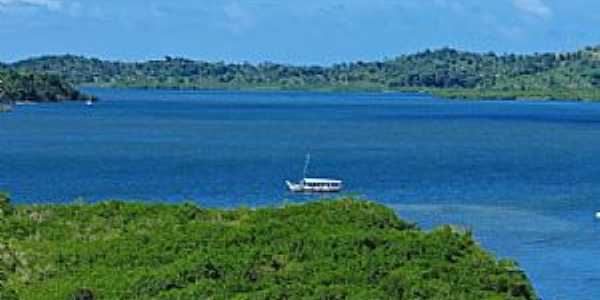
x,y
447,72
42,87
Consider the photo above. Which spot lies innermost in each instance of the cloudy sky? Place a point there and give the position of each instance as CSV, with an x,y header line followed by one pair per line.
x,y
290,31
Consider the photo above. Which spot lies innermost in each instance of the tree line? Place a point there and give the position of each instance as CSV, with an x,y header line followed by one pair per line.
x,y
444,71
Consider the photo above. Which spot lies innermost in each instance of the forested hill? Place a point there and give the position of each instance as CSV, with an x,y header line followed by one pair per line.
x,y
574,75
16,86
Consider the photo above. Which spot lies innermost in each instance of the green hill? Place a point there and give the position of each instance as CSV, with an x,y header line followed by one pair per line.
x,y
447,72
20,86
344,249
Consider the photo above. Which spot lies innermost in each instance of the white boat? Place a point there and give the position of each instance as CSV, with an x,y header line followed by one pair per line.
x,y
598,215
314,185
89,102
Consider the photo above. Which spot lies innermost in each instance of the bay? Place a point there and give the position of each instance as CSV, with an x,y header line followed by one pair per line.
x,y
524,176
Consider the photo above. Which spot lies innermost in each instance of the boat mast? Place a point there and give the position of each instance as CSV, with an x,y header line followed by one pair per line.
x,y
306,165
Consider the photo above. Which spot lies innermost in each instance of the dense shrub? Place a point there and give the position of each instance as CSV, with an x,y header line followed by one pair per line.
x,y
5,207
342,249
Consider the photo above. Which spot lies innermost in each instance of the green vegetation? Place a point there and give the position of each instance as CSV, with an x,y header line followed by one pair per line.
x,y
22,86
343,249
493,94
445,72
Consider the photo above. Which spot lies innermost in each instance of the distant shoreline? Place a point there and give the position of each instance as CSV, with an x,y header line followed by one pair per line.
x,y
445,73
447,94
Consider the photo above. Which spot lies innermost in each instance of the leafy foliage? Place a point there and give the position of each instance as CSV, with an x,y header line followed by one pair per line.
x,y
464,74
343,249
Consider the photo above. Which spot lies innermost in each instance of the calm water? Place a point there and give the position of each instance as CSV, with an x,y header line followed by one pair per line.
x,y
524,176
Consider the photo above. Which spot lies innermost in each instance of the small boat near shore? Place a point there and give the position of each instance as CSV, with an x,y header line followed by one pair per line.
x,y
598,215
314,185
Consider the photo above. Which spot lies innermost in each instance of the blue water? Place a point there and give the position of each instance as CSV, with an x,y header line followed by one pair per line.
x,y
525,176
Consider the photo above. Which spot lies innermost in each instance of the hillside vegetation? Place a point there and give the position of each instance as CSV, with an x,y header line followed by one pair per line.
x,y
344,249
42,87
446,72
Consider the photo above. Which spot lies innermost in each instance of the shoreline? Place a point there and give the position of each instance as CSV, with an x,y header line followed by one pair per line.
x,y
444,72
444,94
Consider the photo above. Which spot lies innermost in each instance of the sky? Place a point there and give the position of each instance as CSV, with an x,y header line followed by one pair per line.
x,y
291,31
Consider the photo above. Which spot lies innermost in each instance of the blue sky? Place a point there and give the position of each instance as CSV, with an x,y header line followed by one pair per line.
x,y
290,31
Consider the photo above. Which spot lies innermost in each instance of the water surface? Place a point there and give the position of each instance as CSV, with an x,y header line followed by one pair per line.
x,y
524,175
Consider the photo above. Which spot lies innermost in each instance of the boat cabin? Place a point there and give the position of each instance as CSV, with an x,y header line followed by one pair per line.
x,y
321,182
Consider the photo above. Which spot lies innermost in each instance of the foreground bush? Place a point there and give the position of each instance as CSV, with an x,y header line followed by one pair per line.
x,y
344,249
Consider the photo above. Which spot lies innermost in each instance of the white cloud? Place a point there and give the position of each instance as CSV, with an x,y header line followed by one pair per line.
x,y
53,5
533,7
